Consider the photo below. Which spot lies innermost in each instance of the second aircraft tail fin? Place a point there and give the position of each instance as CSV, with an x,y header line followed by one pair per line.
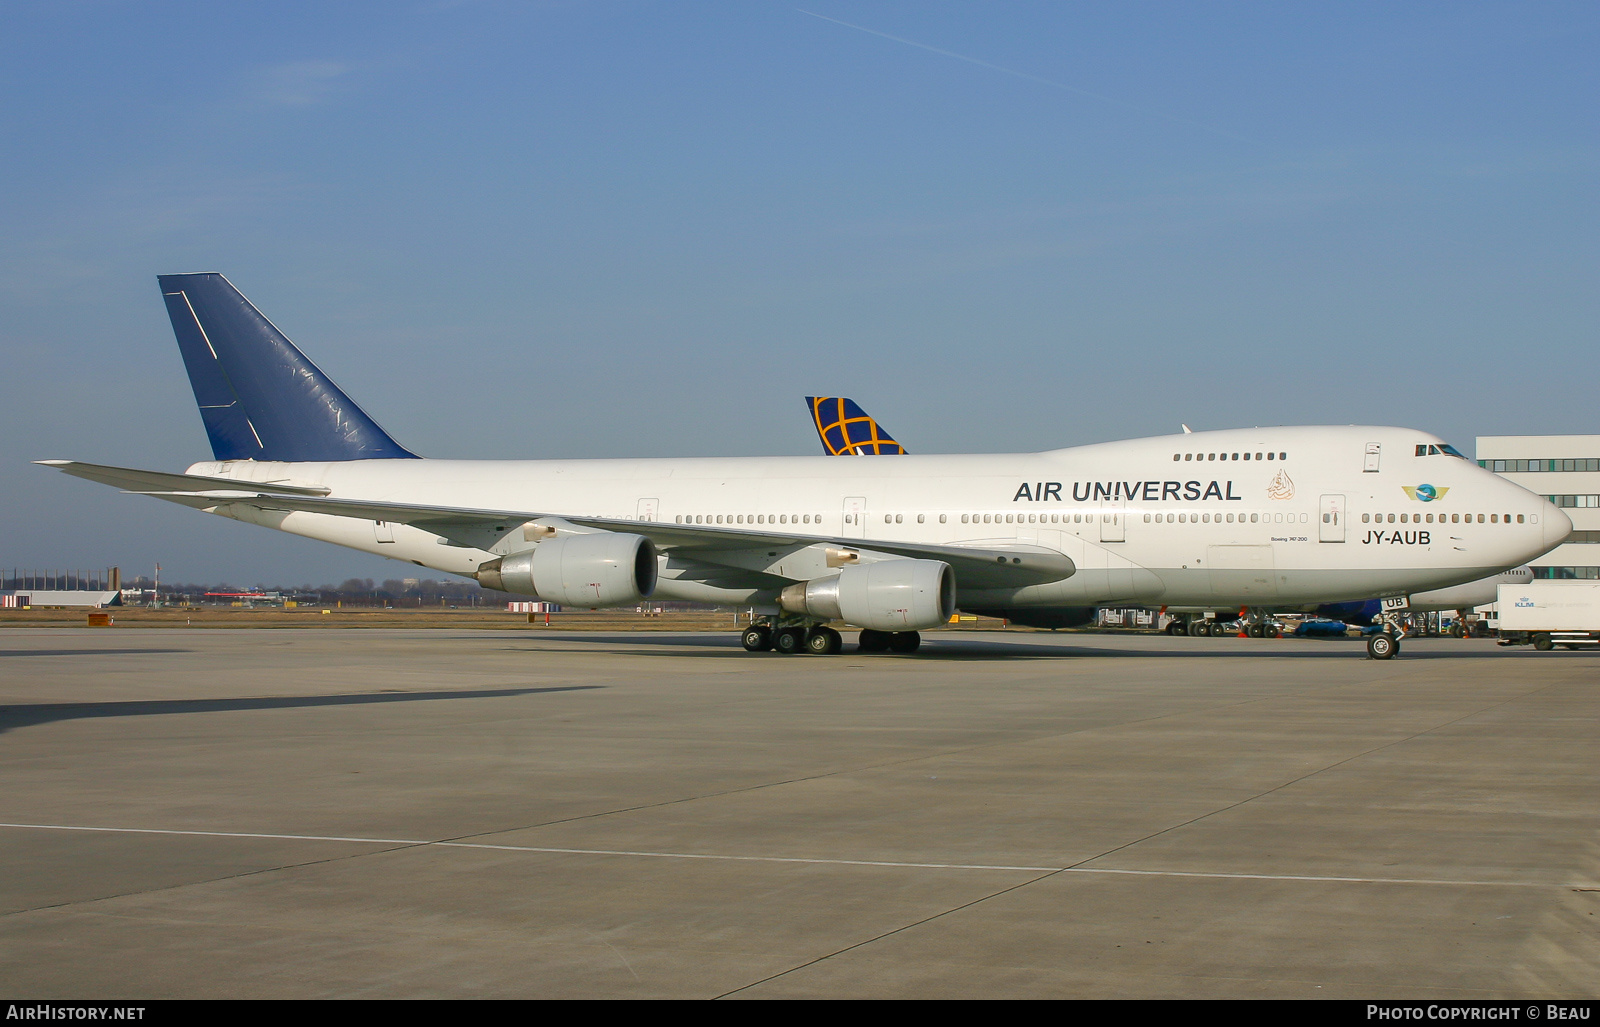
x,y
847,430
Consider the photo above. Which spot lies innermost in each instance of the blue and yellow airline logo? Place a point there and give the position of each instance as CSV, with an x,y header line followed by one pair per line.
x,y
1425,493
847,430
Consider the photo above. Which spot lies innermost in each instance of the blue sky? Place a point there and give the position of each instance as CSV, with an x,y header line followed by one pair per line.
x,y
621,229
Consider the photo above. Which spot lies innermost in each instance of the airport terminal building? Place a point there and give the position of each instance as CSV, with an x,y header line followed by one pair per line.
x,y
1565,469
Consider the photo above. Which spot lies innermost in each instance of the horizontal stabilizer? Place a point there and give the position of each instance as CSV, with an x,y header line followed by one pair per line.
x,y
131,480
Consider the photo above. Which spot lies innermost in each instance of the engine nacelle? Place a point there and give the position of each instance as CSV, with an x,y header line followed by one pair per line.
x,y
600,569
890,595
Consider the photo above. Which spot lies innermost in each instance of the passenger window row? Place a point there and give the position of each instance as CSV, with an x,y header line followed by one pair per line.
x,y
1457,518
749,519
1080,517
1227,456
1091,517
1211,518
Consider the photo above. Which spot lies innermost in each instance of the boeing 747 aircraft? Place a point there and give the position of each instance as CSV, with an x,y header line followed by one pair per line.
x,y
845,429
1244,517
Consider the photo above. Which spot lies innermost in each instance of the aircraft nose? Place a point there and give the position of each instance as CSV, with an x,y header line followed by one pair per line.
x,y
1557,526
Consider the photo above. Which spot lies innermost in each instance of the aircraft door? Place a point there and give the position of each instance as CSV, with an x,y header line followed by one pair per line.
x,y
1333,514
855,517
1113,521
1374,451
647,509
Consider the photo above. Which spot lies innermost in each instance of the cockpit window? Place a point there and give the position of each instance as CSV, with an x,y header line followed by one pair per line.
x,y
1450,450
1429,449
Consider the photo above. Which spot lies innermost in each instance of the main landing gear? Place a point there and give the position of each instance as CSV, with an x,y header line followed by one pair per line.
x,y
821,640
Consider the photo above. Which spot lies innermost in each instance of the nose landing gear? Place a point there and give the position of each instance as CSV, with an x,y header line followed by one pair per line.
x,y
1386,644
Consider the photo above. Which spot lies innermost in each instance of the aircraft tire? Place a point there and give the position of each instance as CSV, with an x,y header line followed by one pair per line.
x,y
788,641
1177,627
756,639
873,641
1382,646
823,641
905,641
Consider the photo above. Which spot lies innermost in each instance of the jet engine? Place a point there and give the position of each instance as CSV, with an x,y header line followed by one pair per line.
x,y
890,595
600,569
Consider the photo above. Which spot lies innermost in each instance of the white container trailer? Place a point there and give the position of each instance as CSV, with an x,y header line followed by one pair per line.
x,y
1546,614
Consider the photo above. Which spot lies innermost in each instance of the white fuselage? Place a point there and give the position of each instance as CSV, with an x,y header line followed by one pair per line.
x,y
1261,516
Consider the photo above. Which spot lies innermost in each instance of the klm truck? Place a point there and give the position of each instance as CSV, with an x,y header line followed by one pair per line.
x,y
1545,614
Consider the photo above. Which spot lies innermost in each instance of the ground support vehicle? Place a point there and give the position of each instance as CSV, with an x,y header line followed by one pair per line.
x,y
1545,614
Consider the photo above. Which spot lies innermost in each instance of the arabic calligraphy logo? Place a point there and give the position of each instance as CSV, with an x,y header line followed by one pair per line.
x,y
1425,493
1282,487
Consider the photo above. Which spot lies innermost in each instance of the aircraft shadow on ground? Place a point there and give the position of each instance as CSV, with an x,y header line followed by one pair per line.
x,y
32,714
88,652
715,647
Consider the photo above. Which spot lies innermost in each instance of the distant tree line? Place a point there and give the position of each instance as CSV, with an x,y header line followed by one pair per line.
x,y
396,593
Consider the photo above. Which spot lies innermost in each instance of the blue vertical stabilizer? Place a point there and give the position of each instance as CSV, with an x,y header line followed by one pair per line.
x,y
259,396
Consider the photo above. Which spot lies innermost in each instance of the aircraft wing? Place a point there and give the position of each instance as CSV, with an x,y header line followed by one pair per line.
x,y
1008,566
990,567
